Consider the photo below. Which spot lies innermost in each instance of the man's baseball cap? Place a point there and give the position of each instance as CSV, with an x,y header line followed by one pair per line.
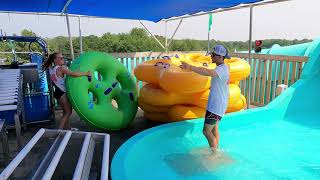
x,y
221,51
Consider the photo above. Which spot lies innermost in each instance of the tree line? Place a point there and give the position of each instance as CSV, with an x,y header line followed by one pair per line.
x,y
137,40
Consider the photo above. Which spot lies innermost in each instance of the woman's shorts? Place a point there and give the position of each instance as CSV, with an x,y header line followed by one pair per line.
x,y
58,93
211,118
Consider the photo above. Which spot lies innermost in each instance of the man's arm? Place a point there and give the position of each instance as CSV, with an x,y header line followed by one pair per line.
x,y
199,70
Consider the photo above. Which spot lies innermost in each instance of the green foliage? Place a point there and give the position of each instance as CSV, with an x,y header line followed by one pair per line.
x,y
19,47
137,40
27,32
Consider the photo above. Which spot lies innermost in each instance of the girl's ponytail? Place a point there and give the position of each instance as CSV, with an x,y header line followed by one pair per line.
x,y
49,61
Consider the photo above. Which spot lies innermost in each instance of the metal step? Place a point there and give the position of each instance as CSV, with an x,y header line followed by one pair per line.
x,y
62,138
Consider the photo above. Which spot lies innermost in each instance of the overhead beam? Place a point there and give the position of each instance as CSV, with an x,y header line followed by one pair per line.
x,y
169,19
152,34
59,14
227,9
65,7
174,32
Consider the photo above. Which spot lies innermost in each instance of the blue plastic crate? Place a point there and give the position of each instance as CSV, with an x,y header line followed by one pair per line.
x,y
37,107
42,84
8,116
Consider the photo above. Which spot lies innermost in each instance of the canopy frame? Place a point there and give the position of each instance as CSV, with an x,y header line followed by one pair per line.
x,y
241,6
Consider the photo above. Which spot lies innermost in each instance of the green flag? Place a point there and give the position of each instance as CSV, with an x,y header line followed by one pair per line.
x,y
210,22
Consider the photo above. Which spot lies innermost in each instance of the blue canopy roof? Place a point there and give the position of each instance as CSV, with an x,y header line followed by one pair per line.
x,y
153,10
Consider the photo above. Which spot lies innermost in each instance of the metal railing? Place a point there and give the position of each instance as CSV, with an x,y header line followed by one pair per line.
x,y
49,163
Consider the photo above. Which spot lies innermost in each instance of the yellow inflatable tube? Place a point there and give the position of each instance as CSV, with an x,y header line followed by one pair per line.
x,y
176,113
232,107
237,105
152,95
182,112
151,108
174,94
149,71
239,69
168,75
181,81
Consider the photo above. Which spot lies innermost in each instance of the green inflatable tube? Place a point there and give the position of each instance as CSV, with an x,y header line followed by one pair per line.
x,y
116,83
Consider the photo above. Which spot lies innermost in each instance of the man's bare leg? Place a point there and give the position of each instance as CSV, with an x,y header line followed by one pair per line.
x,y
216,134
207,132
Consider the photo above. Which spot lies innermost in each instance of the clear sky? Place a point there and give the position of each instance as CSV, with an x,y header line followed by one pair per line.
x,y
296,19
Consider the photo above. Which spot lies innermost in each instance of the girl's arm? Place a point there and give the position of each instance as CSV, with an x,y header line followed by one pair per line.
x,y
199,70
66,71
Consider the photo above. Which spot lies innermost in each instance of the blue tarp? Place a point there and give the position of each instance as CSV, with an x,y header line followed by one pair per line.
x,y
153,10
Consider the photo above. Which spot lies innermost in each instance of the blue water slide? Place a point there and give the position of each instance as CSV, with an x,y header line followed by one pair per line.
x,y
277,141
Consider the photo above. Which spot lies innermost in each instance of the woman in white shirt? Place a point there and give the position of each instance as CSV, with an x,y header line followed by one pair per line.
x,y
57,71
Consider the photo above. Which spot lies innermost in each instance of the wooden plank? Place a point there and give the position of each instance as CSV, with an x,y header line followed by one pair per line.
x,y
294,73
275,80
132,65
136,62
263,85
254,80
240,55
257,104
244,87
144,59
268,56
249,84
286,75
299,69
127,63
258,82
280,72
153,54
241,87
269,81
141,82
254,103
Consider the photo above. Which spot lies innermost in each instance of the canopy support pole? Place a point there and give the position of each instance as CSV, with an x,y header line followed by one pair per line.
x,y
208,50
65,7
80,35
249,60
152,34
174,32
69,34
166,36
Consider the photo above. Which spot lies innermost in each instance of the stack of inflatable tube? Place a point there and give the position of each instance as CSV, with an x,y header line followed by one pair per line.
x,y
173,94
